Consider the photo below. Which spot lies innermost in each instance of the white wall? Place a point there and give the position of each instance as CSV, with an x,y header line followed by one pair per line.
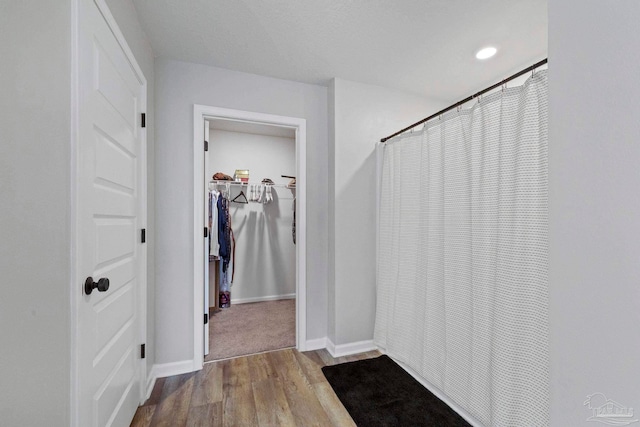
x,y
34,213
265,256
594,179
179,85
126,16
362,114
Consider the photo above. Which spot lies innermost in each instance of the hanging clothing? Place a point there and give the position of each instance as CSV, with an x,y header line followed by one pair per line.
x,y
224,231
222,235
214,244
224,294
293,227
233,256
232,251
225,279
226,250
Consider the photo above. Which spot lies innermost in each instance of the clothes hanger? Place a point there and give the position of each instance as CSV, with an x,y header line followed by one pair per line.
x,y
243,200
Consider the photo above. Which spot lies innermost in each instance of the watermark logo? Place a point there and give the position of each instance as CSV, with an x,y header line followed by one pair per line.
x,y
608,411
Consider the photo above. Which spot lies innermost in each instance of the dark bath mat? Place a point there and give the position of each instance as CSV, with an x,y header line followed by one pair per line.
x,y
378,392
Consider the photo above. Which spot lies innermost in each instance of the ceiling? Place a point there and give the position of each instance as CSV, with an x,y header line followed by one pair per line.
x,y
425,47
252,128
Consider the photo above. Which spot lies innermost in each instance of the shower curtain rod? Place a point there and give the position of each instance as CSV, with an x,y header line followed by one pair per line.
x,y
470,98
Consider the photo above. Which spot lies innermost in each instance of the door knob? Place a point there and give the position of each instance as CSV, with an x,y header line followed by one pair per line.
x,y
90,285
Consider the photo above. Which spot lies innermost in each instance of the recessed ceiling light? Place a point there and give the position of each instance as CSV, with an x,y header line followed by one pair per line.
x,y
486,53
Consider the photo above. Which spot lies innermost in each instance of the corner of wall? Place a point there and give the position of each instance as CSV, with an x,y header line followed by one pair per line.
x,y
361,114
162,370
341,350
331,306
316,344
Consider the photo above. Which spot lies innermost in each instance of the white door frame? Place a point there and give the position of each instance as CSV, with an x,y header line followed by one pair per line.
x,y
75,289
200,113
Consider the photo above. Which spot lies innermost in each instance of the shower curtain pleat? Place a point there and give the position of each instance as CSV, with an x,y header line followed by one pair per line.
x,y
463,255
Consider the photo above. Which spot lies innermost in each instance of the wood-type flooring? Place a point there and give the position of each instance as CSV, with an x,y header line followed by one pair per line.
x,y
280,388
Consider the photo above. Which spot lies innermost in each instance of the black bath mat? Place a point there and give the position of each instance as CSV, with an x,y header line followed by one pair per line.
x,y
378,392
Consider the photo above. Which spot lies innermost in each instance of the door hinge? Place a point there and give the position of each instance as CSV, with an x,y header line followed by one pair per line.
x,y
143,351
206,146
206,232
206,318
143,120
143,235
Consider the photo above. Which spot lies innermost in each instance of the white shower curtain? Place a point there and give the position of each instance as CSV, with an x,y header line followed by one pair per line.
x,y
462,291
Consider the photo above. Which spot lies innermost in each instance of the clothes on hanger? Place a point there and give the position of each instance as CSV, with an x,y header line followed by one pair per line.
x,y
222,239
269,195
227,243
224,227
233,256
260,193
225,285
214,244
292,185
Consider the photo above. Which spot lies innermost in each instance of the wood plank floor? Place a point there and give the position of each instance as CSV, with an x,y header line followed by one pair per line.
x,y
280,388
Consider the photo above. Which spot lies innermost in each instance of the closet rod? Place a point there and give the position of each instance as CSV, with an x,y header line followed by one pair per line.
x,y
470,98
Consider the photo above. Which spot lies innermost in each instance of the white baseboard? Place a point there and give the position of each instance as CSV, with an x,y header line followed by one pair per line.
x,y
316,344
175,368
331,347
151,382
260,299
349,348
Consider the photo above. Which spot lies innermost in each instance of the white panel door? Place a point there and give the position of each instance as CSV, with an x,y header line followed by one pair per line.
x,y
206,240
110,142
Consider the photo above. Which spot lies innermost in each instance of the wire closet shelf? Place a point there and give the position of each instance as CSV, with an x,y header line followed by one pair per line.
x,y
215,183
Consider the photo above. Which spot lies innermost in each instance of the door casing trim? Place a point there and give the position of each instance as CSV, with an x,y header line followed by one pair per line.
x,y
200,114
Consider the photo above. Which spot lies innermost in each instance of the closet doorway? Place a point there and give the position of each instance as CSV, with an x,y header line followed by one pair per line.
x,y
264,279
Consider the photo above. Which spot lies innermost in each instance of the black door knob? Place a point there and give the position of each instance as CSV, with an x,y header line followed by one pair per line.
x,y
90,285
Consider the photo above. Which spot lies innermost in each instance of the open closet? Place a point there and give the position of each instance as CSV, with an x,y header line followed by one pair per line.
x,y
250,253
